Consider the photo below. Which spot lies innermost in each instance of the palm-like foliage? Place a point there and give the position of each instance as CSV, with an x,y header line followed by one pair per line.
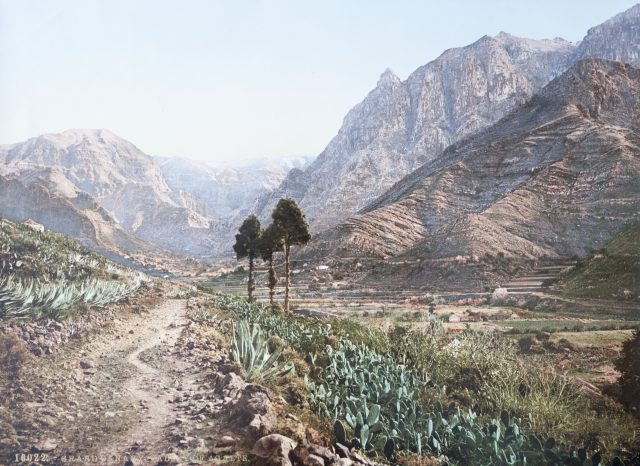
x,y
44,275
35,300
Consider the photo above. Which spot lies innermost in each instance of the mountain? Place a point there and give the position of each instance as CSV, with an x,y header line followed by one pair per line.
x,y
401,125
551,179
103,190
119,177
616,39
227,190
79,217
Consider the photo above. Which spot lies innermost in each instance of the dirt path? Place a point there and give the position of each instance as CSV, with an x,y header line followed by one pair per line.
x,y
134,392
151,388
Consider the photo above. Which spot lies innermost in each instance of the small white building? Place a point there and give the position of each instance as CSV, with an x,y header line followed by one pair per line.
x,y
33,225
454,318
323,267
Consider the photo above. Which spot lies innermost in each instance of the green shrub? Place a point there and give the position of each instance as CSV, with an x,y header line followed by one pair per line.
x,y
629,366
384,401
525,343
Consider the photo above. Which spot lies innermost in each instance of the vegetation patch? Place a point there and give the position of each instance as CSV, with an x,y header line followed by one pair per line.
x,y
611,273
470,399
49,276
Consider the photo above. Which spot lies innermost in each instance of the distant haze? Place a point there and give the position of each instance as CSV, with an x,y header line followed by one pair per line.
x,y
225,81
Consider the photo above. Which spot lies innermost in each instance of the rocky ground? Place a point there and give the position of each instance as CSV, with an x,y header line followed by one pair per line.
x,y
147,387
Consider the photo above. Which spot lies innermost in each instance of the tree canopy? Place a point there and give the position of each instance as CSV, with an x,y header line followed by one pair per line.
x,y
271,242
288,218
248,238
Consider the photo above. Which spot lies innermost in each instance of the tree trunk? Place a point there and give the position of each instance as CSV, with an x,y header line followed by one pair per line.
x,y
272,280
250,285
287,274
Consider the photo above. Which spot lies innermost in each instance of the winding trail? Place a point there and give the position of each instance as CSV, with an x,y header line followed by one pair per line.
x,y
151,388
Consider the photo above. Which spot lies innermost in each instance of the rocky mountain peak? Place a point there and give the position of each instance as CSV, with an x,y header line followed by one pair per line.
x,y
387,78
96,160
534,45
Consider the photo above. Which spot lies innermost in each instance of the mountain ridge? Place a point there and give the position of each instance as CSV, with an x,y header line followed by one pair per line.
x,y
529,187
401,125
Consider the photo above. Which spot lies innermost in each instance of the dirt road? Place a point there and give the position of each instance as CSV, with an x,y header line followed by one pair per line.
x,y
126,394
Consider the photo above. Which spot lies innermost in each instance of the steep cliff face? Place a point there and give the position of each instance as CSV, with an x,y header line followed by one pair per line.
x,y
401,125
616,39
554,178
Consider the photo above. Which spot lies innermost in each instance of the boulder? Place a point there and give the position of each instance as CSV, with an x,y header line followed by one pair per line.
x,y
274,449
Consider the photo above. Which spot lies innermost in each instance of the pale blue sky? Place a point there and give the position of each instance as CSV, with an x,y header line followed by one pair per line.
x,y
236,79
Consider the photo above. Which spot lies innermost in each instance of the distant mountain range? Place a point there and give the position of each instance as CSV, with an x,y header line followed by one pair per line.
x,y
103,190
489,148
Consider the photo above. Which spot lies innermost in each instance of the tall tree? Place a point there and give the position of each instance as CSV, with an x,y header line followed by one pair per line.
x,y
271,243
248,245
290,220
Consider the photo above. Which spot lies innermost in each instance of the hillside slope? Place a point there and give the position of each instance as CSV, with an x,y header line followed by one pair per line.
x,y
46,275
611,273
114,174
553,178
402,124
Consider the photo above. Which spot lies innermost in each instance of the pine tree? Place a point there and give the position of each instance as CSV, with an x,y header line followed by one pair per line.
x,y
248,245
270,244
288,218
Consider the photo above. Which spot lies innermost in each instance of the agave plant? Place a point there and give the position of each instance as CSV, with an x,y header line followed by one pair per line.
x,y
35,300
250,349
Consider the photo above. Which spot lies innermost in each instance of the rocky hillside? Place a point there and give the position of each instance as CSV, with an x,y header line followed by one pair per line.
x,y
116,183
553,178
401,125
80,216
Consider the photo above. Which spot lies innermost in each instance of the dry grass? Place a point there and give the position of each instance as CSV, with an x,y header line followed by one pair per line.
x,y
602,338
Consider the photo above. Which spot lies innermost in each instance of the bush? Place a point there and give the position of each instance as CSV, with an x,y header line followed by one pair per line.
x,y
372,338
525,343
499,296
543,336
629,366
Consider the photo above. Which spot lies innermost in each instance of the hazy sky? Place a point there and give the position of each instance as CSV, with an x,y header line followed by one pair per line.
x,y
236,79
